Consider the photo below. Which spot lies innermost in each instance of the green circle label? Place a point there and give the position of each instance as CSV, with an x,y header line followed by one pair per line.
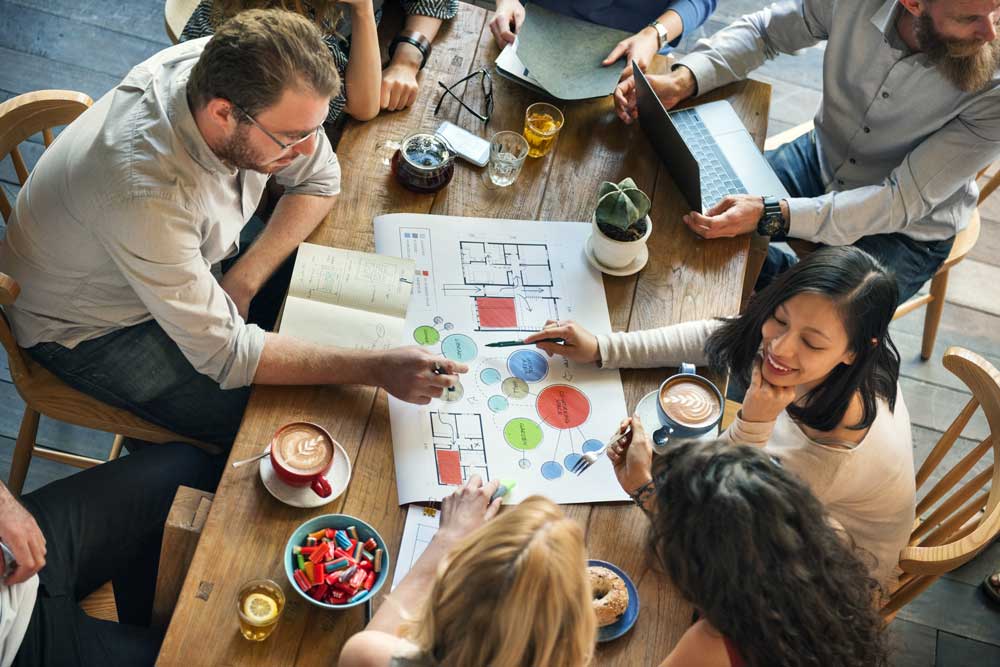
x,y
522,434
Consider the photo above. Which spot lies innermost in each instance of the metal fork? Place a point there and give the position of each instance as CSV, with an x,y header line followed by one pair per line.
x,y
588,459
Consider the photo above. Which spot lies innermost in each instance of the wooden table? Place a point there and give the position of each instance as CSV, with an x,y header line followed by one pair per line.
x,y
686,279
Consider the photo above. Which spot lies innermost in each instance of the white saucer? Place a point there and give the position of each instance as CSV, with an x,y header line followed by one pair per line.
x,y
646,409
637,264
303,496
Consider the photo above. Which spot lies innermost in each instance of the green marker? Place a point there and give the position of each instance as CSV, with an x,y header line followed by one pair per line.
x,y
506,486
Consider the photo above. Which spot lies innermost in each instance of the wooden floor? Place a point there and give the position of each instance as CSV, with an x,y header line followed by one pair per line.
x,y
88,45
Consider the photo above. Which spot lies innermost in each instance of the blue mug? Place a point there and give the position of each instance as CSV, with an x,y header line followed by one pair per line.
x,y
689,405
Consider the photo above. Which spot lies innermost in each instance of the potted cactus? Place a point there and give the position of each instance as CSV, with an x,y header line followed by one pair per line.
x,y
621,224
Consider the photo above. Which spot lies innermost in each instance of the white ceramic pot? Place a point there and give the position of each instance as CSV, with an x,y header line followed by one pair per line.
x,y
616,254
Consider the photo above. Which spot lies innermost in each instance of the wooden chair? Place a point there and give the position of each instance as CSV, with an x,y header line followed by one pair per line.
x,y
44,393
175,16
961,520
935,298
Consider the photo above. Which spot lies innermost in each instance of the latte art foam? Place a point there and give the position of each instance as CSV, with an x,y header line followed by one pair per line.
x,y
303,450
690,403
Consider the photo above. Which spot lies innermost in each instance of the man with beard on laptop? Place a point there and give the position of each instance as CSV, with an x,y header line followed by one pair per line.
x,y
910,114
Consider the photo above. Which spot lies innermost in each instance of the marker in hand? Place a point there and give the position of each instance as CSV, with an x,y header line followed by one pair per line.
x,y
506,486
440,371
515,343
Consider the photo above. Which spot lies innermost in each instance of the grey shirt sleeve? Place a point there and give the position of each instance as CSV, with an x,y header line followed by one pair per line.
x,y
733,52
935,172
156,245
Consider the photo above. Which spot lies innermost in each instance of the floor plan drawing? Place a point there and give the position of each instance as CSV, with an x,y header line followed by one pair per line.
x,y
515,413
510,285
459,447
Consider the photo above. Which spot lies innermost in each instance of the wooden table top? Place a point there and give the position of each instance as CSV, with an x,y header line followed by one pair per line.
x,y
686,278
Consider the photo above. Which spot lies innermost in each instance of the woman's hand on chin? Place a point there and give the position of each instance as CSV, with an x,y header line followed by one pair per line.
x,y
764,401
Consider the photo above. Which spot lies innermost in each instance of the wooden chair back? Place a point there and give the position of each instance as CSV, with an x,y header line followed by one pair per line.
x,y
9,289
22,117
175,16
27,115
955,520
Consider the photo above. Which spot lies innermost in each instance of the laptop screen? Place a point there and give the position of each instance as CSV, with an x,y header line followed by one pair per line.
x,y
667,141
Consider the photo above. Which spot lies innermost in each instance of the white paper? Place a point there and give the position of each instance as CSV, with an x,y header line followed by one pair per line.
x,y
517,414
347,298
512,65
420,527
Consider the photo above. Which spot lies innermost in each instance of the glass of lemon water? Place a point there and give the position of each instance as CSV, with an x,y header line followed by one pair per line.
x,y
542,123
259,604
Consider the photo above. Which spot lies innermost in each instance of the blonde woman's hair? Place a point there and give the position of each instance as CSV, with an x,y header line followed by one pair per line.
x,y
514,593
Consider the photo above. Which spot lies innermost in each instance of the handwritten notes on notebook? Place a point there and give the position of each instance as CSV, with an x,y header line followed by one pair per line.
x,y
347,298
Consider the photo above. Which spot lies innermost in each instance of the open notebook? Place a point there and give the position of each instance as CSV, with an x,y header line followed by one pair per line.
x,y
347,298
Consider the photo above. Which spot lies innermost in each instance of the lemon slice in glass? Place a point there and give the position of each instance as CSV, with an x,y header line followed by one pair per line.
x,y
259,608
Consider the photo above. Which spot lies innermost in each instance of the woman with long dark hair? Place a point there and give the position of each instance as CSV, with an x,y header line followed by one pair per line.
x,y
814,350
752,549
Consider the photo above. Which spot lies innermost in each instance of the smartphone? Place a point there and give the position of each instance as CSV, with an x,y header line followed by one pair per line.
x,y
467,145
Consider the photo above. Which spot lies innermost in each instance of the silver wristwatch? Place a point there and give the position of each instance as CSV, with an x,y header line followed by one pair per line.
x,y
661,33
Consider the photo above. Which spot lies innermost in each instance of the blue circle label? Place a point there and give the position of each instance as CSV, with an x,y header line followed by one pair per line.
x,y
528,365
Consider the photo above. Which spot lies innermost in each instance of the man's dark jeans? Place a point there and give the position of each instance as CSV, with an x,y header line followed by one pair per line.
x,y
912,262
106,524
141,369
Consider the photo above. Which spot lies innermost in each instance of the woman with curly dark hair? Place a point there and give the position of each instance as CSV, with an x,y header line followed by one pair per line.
x,y
752,549
814,350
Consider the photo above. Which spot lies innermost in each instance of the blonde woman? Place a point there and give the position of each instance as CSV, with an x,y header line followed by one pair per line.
x,y
507,592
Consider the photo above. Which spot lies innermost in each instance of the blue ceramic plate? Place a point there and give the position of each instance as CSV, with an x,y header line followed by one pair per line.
x,y
627,620
336,521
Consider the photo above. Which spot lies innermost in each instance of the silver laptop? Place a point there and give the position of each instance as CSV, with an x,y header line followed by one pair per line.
x,y
707,149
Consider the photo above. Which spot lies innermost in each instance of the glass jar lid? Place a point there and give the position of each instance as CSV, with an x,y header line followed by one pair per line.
x,y
426,151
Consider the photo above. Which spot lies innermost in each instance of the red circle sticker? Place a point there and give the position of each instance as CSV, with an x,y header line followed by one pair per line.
x,y
562,406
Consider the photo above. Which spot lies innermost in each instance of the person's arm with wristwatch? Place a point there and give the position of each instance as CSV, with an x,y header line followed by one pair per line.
x,y
409,50
741,214
667,28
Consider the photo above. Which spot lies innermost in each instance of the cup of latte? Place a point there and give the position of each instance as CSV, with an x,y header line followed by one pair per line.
x,y
301,455
689,405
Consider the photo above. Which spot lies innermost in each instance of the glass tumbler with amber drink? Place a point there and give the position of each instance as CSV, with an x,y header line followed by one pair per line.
x,y
542,123
259,605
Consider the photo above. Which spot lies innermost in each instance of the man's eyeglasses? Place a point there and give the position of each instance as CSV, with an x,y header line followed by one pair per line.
x,y
284,146
486,81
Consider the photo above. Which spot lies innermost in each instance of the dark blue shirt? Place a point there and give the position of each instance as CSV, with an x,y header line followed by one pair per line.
x,y
632,15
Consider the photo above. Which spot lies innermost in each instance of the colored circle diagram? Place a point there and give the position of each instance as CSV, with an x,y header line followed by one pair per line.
x,y
497,403
490,376
515,388
426,335
522,434
562,406
458,347
551,470
528,365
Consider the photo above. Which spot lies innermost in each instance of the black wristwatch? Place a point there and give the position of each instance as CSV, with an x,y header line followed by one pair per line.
x,y
772,223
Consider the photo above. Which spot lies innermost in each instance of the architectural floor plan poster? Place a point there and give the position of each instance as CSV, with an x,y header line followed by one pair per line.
x,y
517,414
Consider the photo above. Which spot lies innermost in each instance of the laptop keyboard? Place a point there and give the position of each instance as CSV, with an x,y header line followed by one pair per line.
x,y
717,176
